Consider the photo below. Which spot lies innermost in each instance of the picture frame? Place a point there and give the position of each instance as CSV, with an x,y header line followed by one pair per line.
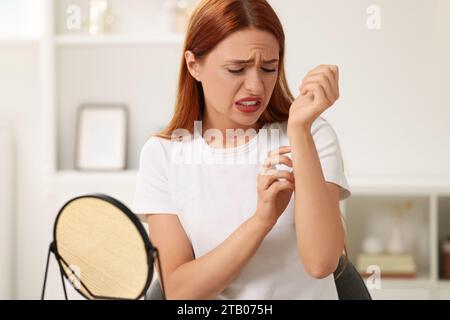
x,y
102,137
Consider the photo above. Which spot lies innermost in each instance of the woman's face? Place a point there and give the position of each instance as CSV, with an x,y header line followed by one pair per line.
x,y
243,65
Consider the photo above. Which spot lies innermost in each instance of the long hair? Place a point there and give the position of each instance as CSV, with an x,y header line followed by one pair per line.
x,y
210,23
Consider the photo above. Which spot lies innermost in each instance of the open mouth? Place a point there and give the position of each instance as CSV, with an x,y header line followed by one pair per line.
x,y
248,106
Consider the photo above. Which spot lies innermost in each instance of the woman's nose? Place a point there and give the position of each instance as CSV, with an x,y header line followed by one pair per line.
x,y
253,82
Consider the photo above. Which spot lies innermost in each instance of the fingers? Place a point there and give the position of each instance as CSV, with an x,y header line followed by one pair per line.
x,y
270,162
333,74
325,67
279,186
324,81
335,70
280,150
320,98
324,74
269,174
275,157
265,181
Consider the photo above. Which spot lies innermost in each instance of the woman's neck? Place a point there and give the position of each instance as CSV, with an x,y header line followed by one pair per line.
x,y
233,134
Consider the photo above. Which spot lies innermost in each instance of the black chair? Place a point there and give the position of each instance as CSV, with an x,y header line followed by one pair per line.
x,y
349,284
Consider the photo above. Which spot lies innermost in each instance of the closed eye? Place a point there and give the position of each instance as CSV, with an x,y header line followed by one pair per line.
x,y
268,70
236,71
242,69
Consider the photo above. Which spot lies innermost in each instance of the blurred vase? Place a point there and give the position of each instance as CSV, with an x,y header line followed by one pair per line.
x,y
372,245
446,258
181,11
100,17
395,244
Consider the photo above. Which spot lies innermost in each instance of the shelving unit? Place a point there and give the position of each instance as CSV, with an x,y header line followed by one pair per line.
x,y
83,68
83,40
19,40
423,227
367,215
78,68
443,232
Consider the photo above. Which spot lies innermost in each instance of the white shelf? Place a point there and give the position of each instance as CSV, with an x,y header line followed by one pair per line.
x,y
117,39
424,187
86,178
64,185
444,284
359,187
367,188
421,282
19,40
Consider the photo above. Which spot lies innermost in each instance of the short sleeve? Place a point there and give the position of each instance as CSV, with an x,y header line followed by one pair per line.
x,y
329,151
153,193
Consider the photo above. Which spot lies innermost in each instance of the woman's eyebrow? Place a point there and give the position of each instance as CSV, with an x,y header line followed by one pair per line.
x,y
251,60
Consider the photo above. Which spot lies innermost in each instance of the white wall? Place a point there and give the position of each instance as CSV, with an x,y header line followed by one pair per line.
x,y
392,117
7,199
19,107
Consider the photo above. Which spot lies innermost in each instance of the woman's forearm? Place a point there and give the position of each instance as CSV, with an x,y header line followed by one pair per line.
x,y
208,275
320,234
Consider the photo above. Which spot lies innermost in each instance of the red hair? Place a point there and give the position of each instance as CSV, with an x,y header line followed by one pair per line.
x,y
211,22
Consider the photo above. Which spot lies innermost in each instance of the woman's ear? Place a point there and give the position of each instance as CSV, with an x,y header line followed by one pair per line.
x,y
192,64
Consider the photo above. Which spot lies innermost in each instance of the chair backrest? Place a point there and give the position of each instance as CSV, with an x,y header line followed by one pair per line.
x,y
349,284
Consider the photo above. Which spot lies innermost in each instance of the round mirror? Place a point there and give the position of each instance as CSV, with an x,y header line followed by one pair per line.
x,y
103,249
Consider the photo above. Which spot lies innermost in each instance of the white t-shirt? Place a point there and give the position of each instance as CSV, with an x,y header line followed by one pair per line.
x,y
213,191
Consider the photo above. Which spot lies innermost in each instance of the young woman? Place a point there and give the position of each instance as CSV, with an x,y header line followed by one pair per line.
x,y
227,226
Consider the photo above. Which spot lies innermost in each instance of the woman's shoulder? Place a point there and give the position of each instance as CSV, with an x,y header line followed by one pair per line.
x,y
155,142
322,128
156,146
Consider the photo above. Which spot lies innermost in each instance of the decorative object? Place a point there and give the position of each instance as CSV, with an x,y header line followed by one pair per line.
x,y
100,17
372,245
390,257
446,258
391,266
180,11
395,244
101,137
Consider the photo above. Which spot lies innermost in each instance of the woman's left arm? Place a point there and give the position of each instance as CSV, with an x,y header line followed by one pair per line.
x,y
320,233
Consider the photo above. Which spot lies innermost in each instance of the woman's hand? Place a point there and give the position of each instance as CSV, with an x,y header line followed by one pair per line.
x,y
274,194
318,91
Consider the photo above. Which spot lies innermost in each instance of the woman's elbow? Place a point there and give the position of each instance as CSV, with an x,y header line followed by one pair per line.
x,y
319,272
179,292
321,269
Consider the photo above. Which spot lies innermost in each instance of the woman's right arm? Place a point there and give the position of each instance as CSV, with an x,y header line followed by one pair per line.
x,y
205,277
